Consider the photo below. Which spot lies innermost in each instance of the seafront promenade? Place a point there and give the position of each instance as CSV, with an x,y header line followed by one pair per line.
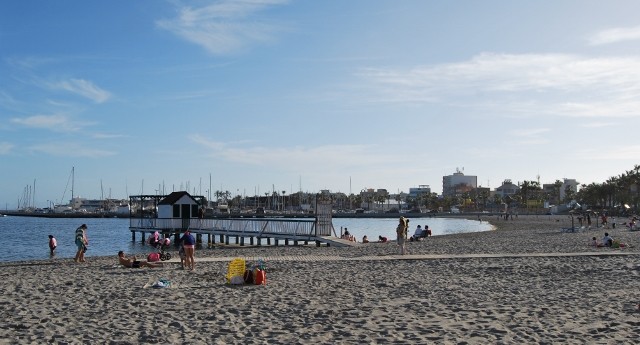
x,y
526,282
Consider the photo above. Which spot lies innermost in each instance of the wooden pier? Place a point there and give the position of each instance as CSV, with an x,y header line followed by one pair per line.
x,y
179,213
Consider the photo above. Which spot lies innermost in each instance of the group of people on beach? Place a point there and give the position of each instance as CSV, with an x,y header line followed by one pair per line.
x,y
607,241
186,251
81,241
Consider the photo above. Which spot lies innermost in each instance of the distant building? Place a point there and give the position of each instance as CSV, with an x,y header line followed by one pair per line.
x,y
507,188
419,191
458,184
568,184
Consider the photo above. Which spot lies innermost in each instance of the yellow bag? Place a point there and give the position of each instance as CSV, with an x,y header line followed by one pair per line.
x,y
235,272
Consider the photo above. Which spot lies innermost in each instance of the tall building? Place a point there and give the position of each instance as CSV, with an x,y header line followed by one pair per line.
x,y
458,183
420,190
568,184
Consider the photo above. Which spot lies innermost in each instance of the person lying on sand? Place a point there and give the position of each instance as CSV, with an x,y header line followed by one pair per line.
x,y
133,263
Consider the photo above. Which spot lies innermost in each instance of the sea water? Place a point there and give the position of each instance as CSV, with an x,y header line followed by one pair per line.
x,y
26,238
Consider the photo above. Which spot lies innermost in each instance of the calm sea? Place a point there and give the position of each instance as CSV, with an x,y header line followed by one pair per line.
x,y
27,237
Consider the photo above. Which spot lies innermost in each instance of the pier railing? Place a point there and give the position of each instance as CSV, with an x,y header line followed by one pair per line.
x,y
245,226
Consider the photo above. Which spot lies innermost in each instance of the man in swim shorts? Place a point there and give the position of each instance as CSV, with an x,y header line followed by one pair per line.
x,y
133,263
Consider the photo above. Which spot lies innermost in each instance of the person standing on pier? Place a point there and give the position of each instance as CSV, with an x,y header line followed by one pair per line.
x,y
189,244
81,242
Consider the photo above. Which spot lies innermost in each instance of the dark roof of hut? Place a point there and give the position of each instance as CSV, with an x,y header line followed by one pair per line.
x,y
174,197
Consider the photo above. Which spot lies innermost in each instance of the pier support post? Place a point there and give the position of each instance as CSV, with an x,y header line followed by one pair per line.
x,y
222,239
268,241
275,242
241,241
133,236
286,241
142,232
226,241
237,240
251,240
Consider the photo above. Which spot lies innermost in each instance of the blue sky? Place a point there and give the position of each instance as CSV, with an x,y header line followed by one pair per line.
x,y
309,95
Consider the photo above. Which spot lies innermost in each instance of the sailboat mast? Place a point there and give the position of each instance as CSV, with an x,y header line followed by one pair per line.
x,y
73,181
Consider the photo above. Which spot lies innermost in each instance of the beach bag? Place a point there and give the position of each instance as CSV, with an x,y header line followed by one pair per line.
x,y
153,257
248,277
259,277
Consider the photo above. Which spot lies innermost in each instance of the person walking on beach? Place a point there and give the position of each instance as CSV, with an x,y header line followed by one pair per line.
x,y
53,244
189,244
401,232
82,241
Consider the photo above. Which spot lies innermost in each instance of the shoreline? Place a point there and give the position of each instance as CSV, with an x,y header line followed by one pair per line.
x,y
520,283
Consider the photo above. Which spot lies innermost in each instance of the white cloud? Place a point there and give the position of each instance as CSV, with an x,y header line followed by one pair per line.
x,y
615,35
597,124
296,158
83,88
555,84
5,148
224,27
530,136
107,136
627,152
70,150
51,122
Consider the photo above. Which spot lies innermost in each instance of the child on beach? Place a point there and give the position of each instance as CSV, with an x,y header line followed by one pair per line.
x,y
382,239
182,255
53,244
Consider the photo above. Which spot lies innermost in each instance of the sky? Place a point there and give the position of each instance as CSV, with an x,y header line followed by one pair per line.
x,y
251,96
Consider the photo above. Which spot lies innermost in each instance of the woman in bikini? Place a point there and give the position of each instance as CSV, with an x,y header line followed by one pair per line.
x,y
189,244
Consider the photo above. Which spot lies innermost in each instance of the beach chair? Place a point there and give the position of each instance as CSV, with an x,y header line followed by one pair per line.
x,y
235,271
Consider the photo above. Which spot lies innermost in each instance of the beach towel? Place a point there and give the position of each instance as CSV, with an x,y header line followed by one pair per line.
x,y
161,283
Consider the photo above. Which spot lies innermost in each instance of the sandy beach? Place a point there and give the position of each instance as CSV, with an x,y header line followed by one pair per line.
x,y
525,282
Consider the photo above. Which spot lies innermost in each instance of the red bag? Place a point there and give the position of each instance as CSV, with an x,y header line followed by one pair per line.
x,y
260,277
153,257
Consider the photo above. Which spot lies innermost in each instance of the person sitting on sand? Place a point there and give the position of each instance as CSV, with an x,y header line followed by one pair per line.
x,y
347,235
417,235
595,243
133,263
365,239
382,239
607,240
426,232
